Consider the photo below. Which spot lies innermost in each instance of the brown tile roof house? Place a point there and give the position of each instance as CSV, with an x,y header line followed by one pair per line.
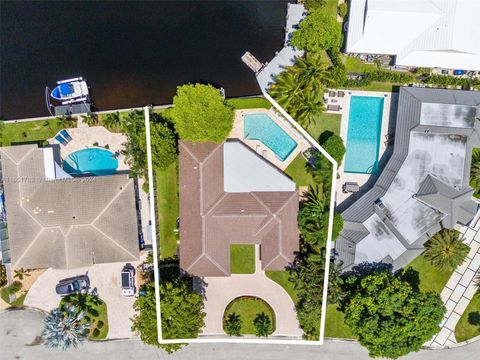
x,y
65,223
230,195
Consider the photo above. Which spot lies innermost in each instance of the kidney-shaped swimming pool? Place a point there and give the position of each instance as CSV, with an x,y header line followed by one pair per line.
x,y
91,161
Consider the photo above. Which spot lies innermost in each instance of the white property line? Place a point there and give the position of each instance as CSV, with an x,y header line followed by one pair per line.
x,y
327,256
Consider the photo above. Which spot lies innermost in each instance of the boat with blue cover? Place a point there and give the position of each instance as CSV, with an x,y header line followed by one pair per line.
x,y
70,91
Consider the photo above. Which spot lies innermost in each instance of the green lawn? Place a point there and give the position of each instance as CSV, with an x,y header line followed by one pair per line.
x,y
335,326
250,103
298,172
248,308
379,86
330,7
431,279
29,131
242,258
355,65
96,314
281,278
469,324
325,122
167,207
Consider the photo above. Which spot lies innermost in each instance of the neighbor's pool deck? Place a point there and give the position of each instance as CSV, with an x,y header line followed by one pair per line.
x,y
238,133
344,102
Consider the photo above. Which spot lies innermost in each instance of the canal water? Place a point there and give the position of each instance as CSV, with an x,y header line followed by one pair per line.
x,y
131,53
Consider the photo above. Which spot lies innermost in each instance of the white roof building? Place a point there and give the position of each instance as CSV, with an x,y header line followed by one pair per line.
x,y
420,33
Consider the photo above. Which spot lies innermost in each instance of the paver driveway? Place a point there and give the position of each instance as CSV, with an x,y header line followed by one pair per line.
x,y
220,291
105,278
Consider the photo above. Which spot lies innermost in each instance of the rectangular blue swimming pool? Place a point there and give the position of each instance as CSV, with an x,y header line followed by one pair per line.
x,y
363,136
262,127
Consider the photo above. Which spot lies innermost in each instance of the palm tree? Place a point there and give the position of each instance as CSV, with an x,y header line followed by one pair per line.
x,y
475,171
233,325
286,88
445,251
263,325
112,120
64,327
309,106
313,71
84,302
91,119
477,279
21,273
316,202
65,121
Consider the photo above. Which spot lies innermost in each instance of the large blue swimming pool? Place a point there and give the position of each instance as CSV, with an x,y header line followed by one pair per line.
x,y
262,127
91,161
363,136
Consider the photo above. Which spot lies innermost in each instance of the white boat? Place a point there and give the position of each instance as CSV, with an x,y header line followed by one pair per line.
x,y
71,91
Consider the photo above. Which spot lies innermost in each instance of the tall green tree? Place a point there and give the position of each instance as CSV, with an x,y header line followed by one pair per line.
x,y
318,31
388,316
91,119
200,113
135,149
263,325
445,250
233,325
182,313
334,146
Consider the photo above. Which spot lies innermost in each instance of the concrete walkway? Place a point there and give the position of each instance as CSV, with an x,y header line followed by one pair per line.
x,y
459,290
220,291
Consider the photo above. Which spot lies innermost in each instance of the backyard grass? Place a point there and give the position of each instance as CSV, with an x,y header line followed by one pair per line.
x,y
330,7
248,308
96,314
242,258
167,207
379,86
29,131
297,170
325,122
335,326
355,65
250,103
430,278
281,278
469,325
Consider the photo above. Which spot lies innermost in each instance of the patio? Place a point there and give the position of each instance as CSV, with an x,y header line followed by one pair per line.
x,y
259,147
86,137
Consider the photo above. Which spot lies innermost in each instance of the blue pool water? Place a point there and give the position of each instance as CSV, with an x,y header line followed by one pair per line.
x,y
262,127
91,161
363,136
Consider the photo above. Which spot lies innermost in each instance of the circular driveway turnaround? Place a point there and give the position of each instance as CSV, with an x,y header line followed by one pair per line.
x,y
220,291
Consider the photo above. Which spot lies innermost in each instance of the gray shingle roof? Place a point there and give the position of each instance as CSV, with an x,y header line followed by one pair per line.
x,y
66,223
435,133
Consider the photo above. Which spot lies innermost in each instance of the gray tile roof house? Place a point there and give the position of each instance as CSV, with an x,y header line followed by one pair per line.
x,y
67,223
425,184
230,195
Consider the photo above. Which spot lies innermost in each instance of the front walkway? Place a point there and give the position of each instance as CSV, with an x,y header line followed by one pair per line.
x,y
459,290
220,291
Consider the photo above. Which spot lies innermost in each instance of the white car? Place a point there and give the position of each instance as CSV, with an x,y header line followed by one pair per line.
x,y
128,280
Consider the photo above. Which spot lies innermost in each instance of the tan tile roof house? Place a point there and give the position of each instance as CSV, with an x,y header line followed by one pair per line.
x,y
65,223
230,195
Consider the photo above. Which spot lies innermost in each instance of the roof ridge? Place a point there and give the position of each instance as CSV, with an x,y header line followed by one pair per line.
x,y
112,240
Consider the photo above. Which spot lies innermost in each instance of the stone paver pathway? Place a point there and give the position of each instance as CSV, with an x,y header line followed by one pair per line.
x,y
459,290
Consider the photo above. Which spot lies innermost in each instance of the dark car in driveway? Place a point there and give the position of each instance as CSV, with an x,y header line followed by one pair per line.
x,y
73,285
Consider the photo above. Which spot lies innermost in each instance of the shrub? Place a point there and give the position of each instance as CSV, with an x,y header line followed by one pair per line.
x,y
100,324
3,275
314,4
96,332
343,9
164,145
334,146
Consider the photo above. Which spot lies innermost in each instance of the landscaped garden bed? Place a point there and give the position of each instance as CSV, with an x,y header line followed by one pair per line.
x,y
248,308
468,326
95,313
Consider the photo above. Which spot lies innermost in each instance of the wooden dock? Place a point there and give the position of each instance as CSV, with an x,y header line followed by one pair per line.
x,y
252,62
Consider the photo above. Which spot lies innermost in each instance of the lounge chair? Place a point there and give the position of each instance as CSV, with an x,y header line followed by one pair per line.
x,y
333,107
61,140
341,94
66,135
332,93
350,187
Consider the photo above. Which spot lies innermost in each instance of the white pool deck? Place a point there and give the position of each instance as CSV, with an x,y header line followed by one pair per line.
x,y
259,147
344,103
